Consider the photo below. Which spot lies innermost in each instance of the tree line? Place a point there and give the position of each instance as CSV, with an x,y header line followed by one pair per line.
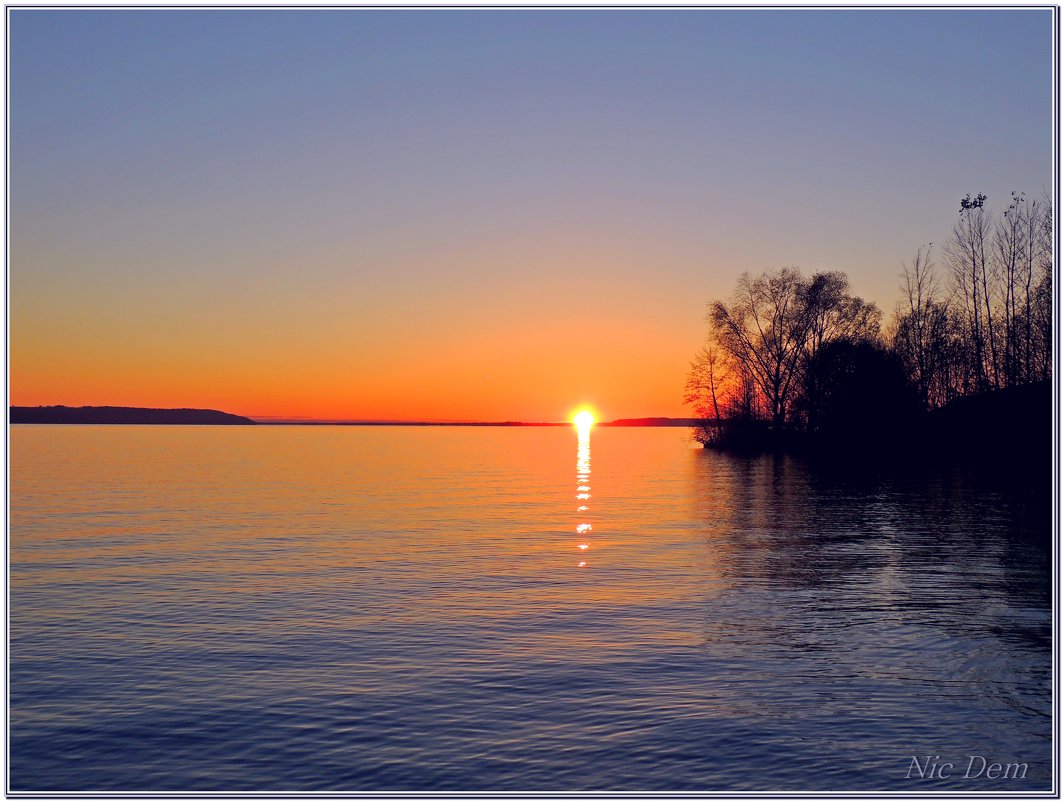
x,y
789,354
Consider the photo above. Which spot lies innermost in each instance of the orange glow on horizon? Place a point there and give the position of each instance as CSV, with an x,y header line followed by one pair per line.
x,y
284,352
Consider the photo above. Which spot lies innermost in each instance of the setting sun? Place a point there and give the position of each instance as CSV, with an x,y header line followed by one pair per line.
x,y
583,420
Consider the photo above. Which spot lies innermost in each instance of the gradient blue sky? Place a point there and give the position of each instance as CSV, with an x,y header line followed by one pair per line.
x,y
474,214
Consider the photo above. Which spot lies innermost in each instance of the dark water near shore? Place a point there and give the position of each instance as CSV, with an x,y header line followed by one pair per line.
x,y
409,609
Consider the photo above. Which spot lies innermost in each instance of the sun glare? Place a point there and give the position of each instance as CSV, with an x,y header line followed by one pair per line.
x,y
583,421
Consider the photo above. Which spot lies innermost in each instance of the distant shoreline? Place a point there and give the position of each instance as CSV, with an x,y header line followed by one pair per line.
x,y
121,415
647,422
132,415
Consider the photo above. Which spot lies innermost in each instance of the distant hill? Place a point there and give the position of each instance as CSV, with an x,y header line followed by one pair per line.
x,y
125,415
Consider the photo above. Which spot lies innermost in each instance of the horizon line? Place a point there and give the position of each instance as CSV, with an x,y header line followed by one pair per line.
x,y
266,419
271,420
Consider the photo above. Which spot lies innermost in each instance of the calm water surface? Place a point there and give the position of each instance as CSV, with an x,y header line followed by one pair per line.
x,y
410,609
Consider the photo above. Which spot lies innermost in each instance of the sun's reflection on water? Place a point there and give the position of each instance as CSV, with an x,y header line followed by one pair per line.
x,y
582,475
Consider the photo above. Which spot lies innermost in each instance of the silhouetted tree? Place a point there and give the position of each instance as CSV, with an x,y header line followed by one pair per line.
x,y
705,383
1040,311
966,253
720,390
834,315
764,328
863,393
922,331
768,333
994,329
806,355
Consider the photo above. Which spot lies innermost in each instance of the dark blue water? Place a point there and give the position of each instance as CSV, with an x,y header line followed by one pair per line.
x,y
410,609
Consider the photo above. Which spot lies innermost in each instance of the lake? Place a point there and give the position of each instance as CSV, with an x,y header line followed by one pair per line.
x,y
362,608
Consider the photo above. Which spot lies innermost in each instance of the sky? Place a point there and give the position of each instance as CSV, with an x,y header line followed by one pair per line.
x,y
474,214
